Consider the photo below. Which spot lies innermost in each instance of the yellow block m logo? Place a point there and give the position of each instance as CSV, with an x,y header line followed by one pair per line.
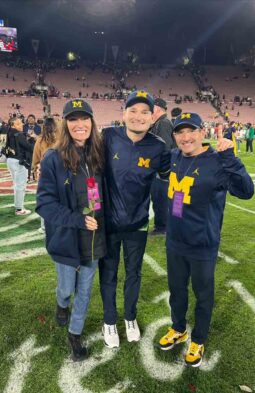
x,y
185,116
141,93
184,185
77,104
144,162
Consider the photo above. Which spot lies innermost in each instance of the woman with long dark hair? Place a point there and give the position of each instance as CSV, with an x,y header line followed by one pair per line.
x,y
69,198
44,142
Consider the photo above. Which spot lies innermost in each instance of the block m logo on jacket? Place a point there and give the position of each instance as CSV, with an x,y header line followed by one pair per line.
x,y
184,186
145,162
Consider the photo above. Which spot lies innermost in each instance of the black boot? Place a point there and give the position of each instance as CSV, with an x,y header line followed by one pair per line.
x,y
78,351
62,315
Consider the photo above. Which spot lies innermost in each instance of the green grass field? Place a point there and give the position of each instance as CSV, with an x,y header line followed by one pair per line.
x,y
34,354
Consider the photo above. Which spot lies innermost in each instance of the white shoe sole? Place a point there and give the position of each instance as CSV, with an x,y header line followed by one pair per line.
x,y
133,340
107,345
174,345
195,365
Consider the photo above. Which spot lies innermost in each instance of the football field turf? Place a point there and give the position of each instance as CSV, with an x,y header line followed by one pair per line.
x,y
34,354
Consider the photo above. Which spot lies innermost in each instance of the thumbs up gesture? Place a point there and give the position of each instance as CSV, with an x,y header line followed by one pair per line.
x,y
223,143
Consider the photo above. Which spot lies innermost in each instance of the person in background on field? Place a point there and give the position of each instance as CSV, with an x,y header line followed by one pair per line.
x,y
249,137
44,142
230,133
17,149
161,127
70,200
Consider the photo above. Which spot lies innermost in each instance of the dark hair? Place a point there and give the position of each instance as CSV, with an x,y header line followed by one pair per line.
x,y
31,115
93,149
176,111
12,120
49,130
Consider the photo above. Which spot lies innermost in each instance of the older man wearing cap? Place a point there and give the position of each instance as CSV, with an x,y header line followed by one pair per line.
x,y
162,127
199,180
132,158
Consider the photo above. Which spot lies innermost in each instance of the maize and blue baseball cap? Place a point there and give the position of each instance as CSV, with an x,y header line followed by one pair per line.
x,y
77,105
140,96
188,119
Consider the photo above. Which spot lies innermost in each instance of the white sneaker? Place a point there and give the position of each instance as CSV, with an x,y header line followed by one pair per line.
x,y
41,230
132,331
111,336
23,212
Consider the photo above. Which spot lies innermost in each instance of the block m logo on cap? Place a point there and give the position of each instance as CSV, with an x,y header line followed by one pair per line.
x,y
77,104
186,116
141,93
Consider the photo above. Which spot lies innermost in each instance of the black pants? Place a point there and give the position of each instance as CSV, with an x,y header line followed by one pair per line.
x,y
159,199
249,145
133,249
180,269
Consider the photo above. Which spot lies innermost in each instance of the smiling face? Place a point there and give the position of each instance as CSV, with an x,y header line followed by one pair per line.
x,y
138,118
79,126
189,140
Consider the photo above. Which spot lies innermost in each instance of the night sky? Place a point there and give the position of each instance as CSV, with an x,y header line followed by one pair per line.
x,y
158,31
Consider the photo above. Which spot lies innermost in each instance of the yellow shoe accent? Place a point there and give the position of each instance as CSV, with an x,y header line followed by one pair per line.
x,y
172,338
194,355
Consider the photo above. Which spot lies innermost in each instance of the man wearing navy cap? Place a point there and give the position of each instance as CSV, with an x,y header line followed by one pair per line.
x,y
162,127
132,155
199,180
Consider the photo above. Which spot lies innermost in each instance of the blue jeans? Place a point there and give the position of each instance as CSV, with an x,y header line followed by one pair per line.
x,y
19,178
80,283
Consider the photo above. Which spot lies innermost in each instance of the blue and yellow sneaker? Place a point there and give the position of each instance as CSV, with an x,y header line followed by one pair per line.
x,y
172,338
194,355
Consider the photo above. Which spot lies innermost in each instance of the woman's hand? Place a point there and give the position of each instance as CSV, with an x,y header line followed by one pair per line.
x,y
91,223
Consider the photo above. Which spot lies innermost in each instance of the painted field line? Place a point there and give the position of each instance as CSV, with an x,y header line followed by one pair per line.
x,y
4,275
228,259
151,212
22,254
243,293
21,239
4,179
154,265
241,208
30,192
31,217
12,205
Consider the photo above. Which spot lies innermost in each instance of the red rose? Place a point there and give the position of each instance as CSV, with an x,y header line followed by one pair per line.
x,y
91,182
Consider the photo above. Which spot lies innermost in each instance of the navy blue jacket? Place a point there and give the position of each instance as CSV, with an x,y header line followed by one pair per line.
x,y
57,204
130,170
204,180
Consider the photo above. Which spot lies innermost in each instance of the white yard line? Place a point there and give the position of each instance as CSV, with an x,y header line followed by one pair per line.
x,y
154,265
22,254
12,205
22,358
4,275
243,293
21,239
228,259
241,208
31,217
